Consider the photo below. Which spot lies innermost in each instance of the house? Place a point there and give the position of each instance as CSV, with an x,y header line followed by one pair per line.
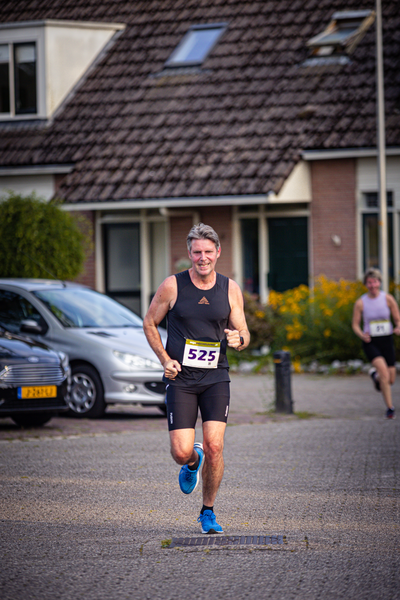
x,y
256,117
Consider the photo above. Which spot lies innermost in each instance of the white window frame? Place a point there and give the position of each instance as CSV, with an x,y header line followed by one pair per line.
x,y
144,219
25,35
171,62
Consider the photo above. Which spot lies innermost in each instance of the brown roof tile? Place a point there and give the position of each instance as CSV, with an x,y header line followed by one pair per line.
x,y
238,126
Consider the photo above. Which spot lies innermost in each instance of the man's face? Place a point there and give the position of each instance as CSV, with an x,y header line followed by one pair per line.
x,y
204,256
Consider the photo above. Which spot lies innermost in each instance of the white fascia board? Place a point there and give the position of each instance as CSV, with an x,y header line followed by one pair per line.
x,y
36,170
61,23
310,155
192,203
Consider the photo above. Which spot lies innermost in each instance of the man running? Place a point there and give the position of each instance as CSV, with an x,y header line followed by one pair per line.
x,y
205,314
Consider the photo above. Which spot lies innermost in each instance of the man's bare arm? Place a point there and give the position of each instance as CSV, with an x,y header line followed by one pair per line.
x,y
237,319
163,301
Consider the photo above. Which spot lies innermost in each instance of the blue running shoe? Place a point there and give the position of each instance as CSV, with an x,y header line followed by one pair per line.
x,y
209,523
188,480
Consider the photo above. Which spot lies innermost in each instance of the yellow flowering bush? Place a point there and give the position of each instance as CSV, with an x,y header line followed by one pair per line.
x,y
315,324
260,321
310,323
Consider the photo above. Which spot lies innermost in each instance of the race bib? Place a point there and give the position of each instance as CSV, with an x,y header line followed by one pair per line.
x,y
378,328
203,355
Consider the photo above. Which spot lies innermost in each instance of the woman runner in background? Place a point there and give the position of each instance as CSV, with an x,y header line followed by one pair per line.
x,y
376,307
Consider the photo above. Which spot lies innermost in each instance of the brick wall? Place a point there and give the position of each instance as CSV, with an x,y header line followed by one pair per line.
x,y
220,218
88,274
179,228
333,212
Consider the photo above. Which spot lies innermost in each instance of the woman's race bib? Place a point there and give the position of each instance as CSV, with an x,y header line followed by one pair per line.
x,y
203,355
378,328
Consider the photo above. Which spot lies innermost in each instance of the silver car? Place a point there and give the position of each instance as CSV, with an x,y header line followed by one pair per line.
x,y
111,361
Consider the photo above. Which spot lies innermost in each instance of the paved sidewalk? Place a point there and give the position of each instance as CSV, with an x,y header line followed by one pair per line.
x,y
87,516
339,396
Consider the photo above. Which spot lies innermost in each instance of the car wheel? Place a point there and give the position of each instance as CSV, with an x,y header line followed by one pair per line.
x,y
87,396
32,419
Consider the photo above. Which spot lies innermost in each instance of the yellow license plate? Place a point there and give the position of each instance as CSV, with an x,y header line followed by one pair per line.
x,y
40,391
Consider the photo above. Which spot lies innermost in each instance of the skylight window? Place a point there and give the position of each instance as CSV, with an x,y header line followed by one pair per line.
x,y
196,45
343,32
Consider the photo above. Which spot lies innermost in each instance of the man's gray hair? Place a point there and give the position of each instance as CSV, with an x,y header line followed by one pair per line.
x,y
371,272
202,232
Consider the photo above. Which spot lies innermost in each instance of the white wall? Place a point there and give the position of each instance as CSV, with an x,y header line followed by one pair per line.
x,y
43,185
65,50
367,176
69,50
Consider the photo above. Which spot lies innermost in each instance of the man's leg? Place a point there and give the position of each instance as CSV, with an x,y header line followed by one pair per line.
x,y
182,450
213,440
190,455
384,376
213,443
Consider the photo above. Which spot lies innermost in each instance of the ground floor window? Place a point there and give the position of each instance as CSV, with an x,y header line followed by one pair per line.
x,y
288,252
122,263
370,232
250,266
371,242
135,256
274,251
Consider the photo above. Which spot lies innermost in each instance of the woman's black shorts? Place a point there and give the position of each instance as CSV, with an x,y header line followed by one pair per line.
x,y
183,404
381,346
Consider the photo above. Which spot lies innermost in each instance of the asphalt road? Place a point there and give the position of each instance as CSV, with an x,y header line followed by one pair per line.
x,y
89,509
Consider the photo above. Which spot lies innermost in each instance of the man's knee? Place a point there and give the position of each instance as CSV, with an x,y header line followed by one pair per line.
x,y
213,450
180,455
182,445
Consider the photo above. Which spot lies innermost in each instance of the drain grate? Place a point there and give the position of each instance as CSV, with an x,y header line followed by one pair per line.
x,y
234,540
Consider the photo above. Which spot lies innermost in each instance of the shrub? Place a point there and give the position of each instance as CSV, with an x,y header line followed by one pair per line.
x,y
38,239
315,324
260,321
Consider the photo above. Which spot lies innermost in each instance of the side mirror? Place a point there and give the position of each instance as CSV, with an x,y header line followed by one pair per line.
x,y
30,326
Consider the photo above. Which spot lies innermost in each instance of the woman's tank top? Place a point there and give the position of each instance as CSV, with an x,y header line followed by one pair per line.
x,y
375,309
200,315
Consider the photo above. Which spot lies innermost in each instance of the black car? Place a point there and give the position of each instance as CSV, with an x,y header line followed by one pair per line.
x,y
34,380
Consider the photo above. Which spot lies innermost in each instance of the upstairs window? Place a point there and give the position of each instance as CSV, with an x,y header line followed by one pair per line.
x,y
196,45
371,199
18,93
343,33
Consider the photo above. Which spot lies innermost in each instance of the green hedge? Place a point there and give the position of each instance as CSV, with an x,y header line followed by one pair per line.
x,y
38,239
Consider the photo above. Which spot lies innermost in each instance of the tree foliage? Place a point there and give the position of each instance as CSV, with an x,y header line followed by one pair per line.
x,y
38,239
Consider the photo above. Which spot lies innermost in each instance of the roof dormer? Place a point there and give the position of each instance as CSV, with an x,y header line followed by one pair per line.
x,y
343,33
41,61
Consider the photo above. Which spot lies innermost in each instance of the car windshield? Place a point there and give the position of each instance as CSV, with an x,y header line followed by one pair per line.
x,y
75,307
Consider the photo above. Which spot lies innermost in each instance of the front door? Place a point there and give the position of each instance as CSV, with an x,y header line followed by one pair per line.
x,y
288,252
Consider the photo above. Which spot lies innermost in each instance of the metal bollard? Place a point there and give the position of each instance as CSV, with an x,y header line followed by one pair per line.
x,y
283,388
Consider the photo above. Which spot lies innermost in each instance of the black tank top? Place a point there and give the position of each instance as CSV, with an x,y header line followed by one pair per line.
x,y
200,315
